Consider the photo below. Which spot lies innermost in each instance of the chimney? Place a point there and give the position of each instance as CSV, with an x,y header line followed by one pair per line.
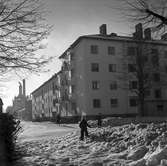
x,y
24,87
134,35
20,89
139,31
164,36
147,34
103,29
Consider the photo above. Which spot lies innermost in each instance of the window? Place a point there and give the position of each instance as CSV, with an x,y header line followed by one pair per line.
x,y
157,93
54,102
95,85
154,57
146,76
145,59
156,77
66,106
131,68
160,107
111,50
131,51
133,84
166,68
155,60
94,49
133,101
147,93
113,85
73,106
165,54
71,56
112,67
53,88
96,103
72,73
95,67
73,89
154,51
114,102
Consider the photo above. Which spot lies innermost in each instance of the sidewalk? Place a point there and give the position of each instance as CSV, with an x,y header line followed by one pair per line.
x,y
70,125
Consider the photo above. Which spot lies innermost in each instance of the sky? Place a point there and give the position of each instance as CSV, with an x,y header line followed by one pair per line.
x,y
70,19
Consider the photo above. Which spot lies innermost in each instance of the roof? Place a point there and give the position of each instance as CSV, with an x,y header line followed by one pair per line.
x,y
55,75
109,37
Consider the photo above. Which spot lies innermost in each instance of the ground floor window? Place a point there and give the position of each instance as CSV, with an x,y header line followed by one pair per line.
x,y
96,103
114,102
160,107
157,93
133,101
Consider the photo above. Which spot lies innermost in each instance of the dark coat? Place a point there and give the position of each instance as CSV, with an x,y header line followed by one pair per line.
x,y
1,102
83,124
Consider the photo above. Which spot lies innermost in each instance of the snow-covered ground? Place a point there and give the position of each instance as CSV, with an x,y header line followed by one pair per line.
x,y
43,130
127,145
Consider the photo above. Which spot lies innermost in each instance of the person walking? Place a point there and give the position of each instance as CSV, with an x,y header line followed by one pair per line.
x,y
1,105
99,120
58,119
83,126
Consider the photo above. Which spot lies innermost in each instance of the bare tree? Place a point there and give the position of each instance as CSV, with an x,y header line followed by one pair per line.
x,y
142,70
151,13
22,28
135,74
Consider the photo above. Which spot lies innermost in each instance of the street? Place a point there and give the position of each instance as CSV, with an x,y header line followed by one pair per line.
x,y
43,130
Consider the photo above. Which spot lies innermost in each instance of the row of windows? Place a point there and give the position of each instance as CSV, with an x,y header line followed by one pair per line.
x,y
94,49
132,85
113,68
113,85
114,102
95,67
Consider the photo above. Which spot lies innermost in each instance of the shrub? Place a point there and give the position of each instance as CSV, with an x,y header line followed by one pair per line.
x,y
9,129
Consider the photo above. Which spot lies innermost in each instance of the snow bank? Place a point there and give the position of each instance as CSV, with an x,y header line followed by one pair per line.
x,y
139,144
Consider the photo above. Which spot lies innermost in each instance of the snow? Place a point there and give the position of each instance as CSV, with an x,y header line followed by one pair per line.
x,y
126,145
42,130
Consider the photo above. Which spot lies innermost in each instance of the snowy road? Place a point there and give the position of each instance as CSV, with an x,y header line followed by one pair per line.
x,y
43,130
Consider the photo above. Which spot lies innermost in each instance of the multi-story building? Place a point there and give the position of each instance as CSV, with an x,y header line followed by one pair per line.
x,y
94,74
45,99
97,76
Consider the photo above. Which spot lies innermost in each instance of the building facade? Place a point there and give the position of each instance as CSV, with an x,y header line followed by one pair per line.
x,y
98,74
45,99
22,104
97,77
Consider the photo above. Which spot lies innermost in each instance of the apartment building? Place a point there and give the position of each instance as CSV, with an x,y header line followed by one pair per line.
x,y
45,99
95,69
98,76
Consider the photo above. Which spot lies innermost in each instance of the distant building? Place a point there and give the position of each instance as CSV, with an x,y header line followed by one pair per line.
x,y
45,99
89,81
9,109
22,106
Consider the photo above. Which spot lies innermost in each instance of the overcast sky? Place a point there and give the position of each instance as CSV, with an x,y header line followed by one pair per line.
x,y
71,19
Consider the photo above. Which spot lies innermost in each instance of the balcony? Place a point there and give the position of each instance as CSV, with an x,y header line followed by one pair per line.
x,y
56,101
72,97
65,82
67,65
65,97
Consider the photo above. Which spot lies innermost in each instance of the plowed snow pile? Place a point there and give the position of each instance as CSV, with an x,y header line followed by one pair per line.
x,y
127,145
